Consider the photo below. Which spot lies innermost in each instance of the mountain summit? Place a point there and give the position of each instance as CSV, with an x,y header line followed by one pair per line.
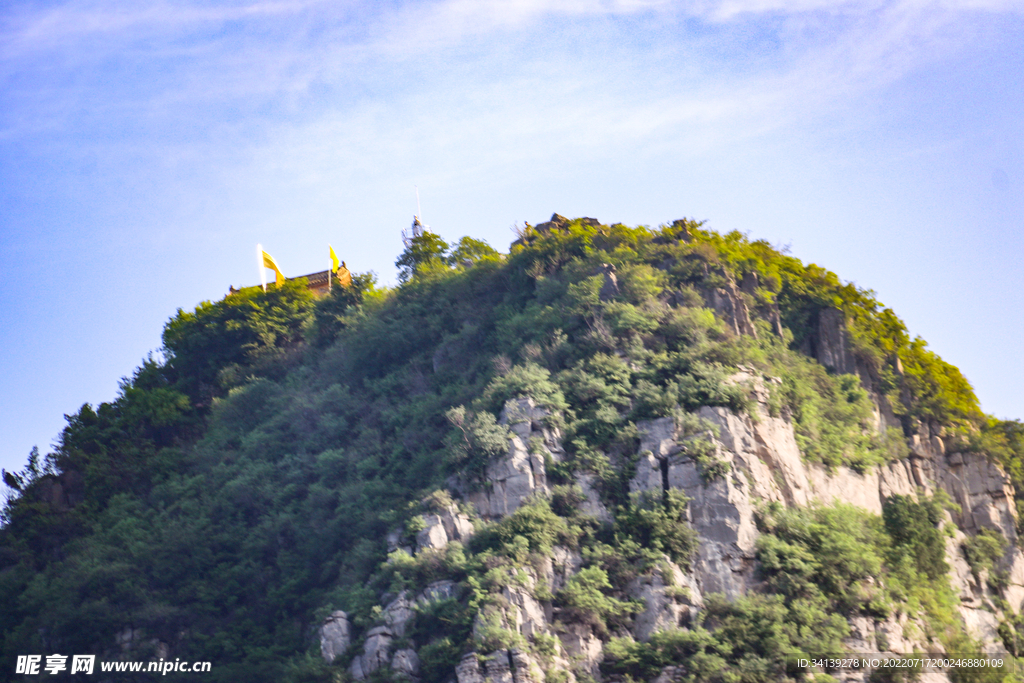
x,y
613,454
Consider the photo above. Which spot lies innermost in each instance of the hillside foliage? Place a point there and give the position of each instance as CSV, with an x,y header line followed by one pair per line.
x,y
242,483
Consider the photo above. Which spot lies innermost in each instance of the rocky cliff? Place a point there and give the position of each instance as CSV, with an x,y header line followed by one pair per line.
x,y
757,463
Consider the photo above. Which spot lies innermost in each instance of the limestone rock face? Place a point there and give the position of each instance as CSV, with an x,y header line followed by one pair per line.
x,y
377,647
830,343
406,663
525,614
868,635
335,636
513,478
437,590
722,511
375,654
498,667
561,565
582,647
765,450
669,601
764,465
866,490
648,475
592,504
524,669
397,614
520,611
979,487
504,666
443,527
468,670
433,537
1014,592
730,306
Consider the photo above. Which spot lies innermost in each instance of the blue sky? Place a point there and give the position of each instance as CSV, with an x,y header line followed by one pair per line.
x,y
146,147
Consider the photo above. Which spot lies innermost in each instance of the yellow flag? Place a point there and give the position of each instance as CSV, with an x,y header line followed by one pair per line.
x,y
344,276
269,262
334,260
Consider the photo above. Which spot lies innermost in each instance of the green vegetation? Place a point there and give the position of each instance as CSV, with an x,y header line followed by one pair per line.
x,y
658,525
242,485
819,565
585,599
983,549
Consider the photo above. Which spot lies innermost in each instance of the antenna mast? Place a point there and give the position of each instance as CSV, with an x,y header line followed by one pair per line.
x,y
418,228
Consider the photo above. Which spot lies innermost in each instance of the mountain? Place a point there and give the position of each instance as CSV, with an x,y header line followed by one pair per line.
x,y
615,453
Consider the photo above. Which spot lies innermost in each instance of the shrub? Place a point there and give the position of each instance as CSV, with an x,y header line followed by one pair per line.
x,y
523,381
658,523
584,598
983,549
492,633
423,250
535,523
832,555
477,438
914,528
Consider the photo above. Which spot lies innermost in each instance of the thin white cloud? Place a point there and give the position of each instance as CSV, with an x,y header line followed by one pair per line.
x,y
595,113
26,30
825,54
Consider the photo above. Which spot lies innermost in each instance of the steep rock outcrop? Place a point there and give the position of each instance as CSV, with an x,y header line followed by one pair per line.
x,y
513,478
763,464
501,666
335,636
438,590
867,490
670,597
524,669
981,489
376,653
592,504
406,663
468,669
729,304
582,647
556,569
377,646
443,527
519,611
525,614
829,343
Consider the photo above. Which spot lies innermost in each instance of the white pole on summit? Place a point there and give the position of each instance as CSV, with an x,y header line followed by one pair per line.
x,y
418,213
259,264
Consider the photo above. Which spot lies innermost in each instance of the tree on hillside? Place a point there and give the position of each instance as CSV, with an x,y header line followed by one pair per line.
x,y
422,249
